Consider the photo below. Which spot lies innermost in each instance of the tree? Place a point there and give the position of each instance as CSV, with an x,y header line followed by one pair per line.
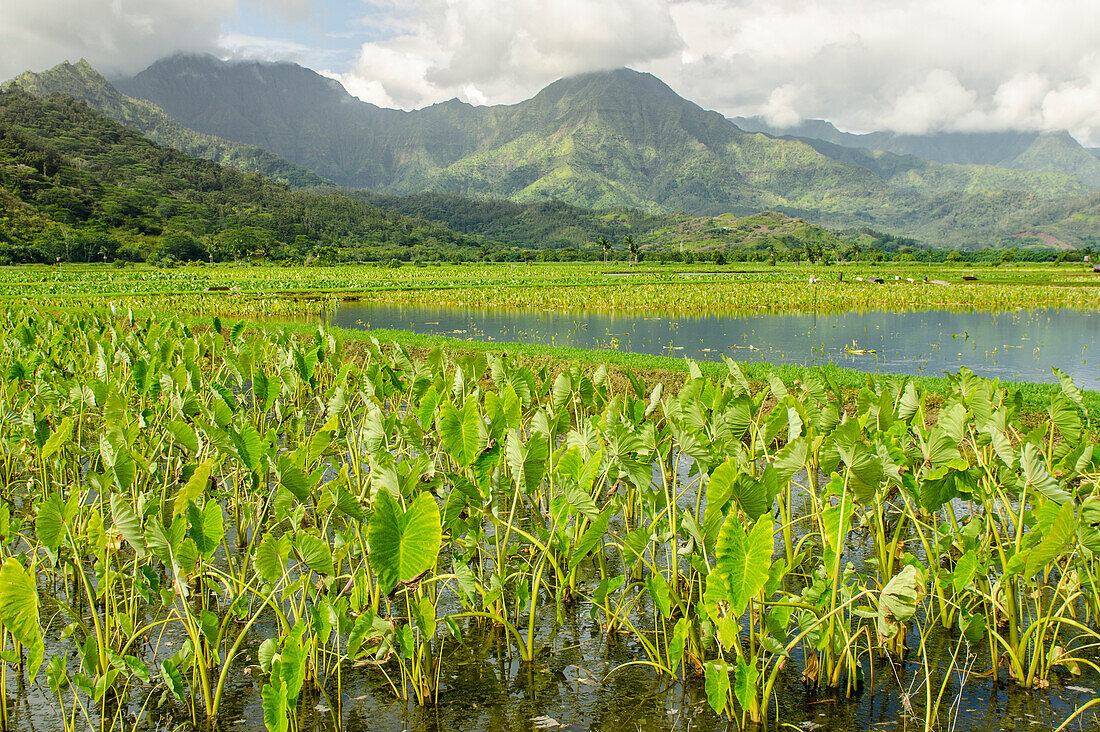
x,y
180,246
632,247
606,245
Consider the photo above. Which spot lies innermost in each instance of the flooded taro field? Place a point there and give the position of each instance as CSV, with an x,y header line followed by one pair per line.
x,y
239,528
1014,345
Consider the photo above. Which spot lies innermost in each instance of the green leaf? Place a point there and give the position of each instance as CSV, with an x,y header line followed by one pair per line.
x,y
659,591
275,706
271,556
19,603
972,626
582,502
195,487
790,460
1054,541
719,491
964,570
314,553
49,525
527,461
128,524
250,447
321,440
1037,476
460,431
744,561
1063,415
124,470
898,600
717,685
236,330
206,527
1069,388
294,479
591,538
744,683
677,644
173,679
292,663
403,544
185,435
864,468
61,435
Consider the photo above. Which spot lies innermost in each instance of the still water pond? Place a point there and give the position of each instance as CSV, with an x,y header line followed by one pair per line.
x,y
1012,346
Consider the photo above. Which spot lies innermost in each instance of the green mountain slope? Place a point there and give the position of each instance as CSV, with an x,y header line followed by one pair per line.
x,y
602,140
77,185
926,177
83,82
1047,152
617,138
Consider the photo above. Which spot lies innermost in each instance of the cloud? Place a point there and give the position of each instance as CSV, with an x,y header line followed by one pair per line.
x,y
909,65
242,46
116,36
487,50
937,101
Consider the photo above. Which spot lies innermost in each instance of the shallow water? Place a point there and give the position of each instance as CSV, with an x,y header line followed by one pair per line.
x,y
1012,346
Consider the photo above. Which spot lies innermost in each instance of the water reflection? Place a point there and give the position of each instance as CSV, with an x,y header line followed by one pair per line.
x,y
1015,346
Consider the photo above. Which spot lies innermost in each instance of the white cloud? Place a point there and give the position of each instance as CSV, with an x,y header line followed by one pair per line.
x,y
295,11
241,46
781,109
913,65
506,51
116,36
937,101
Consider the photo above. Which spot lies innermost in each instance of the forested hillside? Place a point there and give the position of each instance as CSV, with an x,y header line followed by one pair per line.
x,y
76,185
84,83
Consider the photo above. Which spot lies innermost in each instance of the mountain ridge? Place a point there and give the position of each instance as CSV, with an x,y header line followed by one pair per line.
x,y
604,140
1013,149
81,81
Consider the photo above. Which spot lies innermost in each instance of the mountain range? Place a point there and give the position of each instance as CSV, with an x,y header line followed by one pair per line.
x,y
76,186
1042,152
82,82
618,138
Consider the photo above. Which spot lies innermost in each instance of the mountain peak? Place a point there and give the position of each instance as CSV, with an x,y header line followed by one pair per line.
x,y
79,80
618,89
191,76
597,82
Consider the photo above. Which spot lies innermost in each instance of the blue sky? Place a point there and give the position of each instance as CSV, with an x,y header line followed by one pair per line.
x,y
321,34
906,65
